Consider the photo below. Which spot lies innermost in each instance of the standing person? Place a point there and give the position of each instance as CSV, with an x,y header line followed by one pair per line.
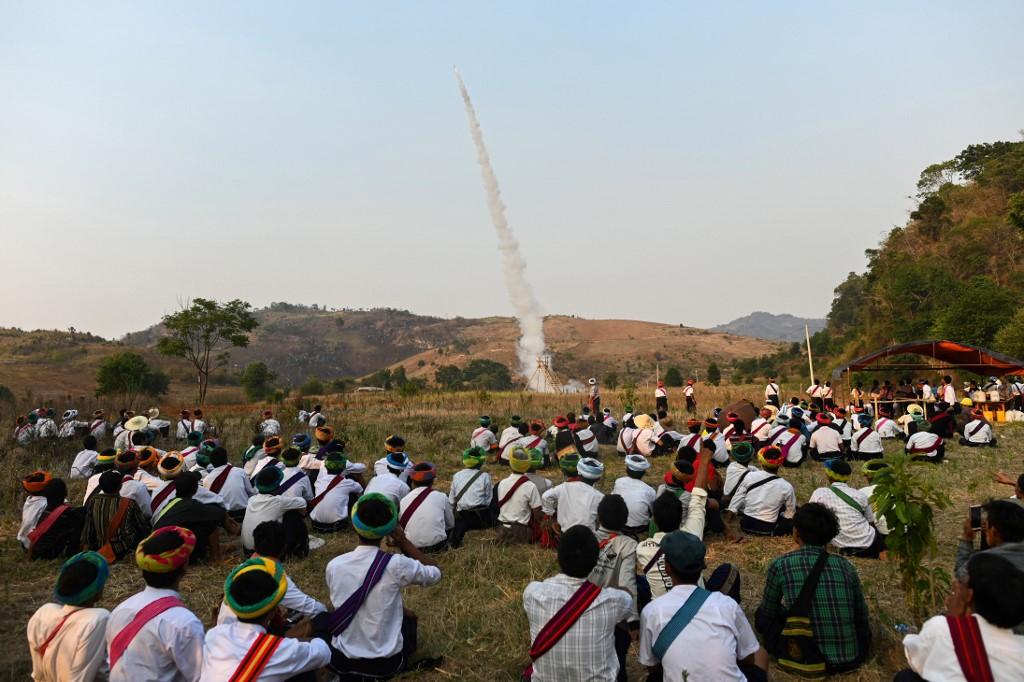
x,y
661,397
857,535
691,397
857,396
771,393
66,639
828,396
838,612
152,635
269,426
594,401
814,393
373,635
572,620
470,496
947,393
638,495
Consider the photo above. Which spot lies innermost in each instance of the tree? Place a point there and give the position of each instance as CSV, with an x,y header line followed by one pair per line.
x,y
975,313
1016,210
673,377
257,380
487,375
1010,338
127,375
610,380
202,333
714,374
448,377
313,386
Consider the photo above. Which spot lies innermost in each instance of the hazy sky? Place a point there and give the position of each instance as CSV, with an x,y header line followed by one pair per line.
x,y
667,161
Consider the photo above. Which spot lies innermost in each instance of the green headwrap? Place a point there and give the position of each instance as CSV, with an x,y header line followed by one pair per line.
x,y
335,462
536,458
568,464
474,457
374,532
265,605
742,452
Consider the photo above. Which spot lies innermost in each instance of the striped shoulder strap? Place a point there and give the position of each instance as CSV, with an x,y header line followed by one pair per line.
x,y
256,658
970,648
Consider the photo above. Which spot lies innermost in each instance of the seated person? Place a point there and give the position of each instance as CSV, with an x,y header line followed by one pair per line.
x,y
267,505
616,566
59,531
335,493
792,442
426,514
764,502
826,441
111,521
870,469
204,519
1003,533
518,500
391,481
844,642
35,485
574,502
943,422
978,432
866,442
885,426
471,495
857,534
922,445
638,495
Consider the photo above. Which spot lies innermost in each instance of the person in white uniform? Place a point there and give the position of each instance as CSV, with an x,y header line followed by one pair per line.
x,y
426,514
638,495
574,503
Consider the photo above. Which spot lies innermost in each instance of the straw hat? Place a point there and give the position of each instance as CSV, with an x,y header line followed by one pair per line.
x,y
137,423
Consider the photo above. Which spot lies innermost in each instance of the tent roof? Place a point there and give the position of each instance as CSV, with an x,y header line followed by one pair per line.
x,y
957,355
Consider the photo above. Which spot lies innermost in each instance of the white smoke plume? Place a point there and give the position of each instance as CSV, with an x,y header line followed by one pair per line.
x,y
531,321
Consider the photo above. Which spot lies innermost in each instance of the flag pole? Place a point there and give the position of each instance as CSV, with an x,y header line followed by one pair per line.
x,y
810,359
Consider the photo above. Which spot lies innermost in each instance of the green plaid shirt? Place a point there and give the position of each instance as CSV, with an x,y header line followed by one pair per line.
x,y
839,614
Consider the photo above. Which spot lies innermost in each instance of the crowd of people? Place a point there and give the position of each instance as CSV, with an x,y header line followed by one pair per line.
x,y
632,562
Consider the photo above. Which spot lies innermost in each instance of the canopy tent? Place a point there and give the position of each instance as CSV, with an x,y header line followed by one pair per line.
x,y
952,354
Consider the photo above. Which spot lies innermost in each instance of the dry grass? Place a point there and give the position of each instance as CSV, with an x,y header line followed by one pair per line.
x,y
474,616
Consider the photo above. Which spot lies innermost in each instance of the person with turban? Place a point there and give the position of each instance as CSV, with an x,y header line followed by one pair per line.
x,y
518,501
483,437
739,468
269,426
645,439
791,440
251,645
761,427
977,431
676,480
193,442
296,483
886,426
333,495
638,495
170,469
764,502
35,503
574,502
272,448
114,524
268,505
253,453
564,441
866,443
25,429
922,445
59,531
148,472
152,635
105,461
826,440
46,427
230,482
393,445
471,495
857,533
71,425
516,429
378,638
67,637
538,461
185,509
426,514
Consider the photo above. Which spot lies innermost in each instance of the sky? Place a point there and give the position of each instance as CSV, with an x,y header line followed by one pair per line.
x,y
671,161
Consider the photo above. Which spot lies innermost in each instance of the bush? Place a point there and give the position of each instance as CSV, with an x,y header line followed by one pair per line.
x,y
257,380
313,386
128,375
673,377
714,375
611,380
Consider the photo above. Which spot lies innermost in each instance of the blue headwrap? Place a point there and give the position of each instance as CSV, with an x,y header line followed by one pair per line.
x,y
90,590
302,441
590,468
374,532
397,460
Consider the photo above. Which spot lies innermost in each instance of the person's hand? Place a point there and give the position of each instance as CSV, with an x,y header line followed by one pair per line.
x,y
1002,477
968,529
301,630
397,536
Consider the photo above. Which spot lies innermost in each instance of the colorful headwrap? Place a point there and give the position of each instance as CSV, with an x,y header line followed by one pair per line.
x,y
473,457
771,457
397,460
590,468
266,605
272,445
824,418
485,420
203,457
692,423
209,445
374,532
335,461
33,418
266,486
568,464
873,466
840,411
290,456
742,451
519,460
126,460
394,443
106,458
147,457
170,560
560,422
796,413
302,441
864,419
36,482
643,421
837,469
170,466
681,472
637,463
423,472
710,423
90,590
324,433
194,438
914,409
536,458
966,402
537,426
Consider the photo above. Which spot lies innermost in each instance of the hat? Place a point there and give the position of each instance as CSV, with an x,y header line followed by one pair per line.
x,y
98,414
710,423
796,413
394,443
270,600
914,409
106,458
732,417
423,472
69,414
590,468
864,419
268,414
324,433
684,551
873,466
290,456
536,458
136,423
515,420
93,588
771,457
637,463
691,422
519,460
725,579
643,421
560,422
209,445
335,462
147,457
591,381
567,463
33,417
302,441
824,418
474,457
194,438
837,469
374,532
397,460
966,402
485,420
267,483
125,461
172,559
742,451
661,383
681,472
170,466
153,413
536,425
36,482
272,445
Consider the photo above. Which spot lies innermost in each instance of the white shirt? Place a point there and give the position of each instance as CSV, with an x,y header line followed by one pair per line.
x,y
169,648
826,439
923,443
769,502
661,392
508,436
588,441
982,435
270,427
733,472
880,523
227,645
484,438
188,457
31,512
67,429
658,577
237,488
931,655
639,498
871,443
855,528
948,393
294,600
708,649
771,390
376,630
644,441
388,484
202,495
886,428
98,428
334,506
531,441
430,523
78,652
301,488
519,508
46,428
573,503
688,391
795,441
263,507
123,440
625,441
760,428
477,495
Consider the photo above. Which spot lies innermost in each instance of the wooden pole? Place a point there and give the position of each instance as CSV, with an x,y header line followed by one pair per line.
x,y
810,359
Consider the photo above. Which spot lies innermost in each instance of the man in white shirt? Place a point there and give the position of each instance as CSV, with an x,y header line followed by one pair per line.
x,y
814,393
35,504
483,437
947,393
661,397
470,496
512,433
978,432
269,426
46,427
866,442
717,643
67,640
426,514
170,467
792,443
184,426
518,500
25,429
166,642
644,440
764,502
254,592
85,460
923,445
826,442
70,424
624,443
296,482
738,470
771,392
886,426
230,482
377,637
98,425
857,535
574,503
389,481
761,427
191,449
267,505
638,495
334,493
691,397
316,418
157,425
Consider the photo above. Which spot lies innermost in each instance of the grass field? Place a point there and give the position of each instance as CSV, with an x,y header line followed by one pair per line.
x,y
474,617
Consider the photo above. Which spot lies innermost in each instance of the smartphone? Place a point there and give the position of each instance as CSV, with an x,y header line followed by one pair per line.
x,y
976,516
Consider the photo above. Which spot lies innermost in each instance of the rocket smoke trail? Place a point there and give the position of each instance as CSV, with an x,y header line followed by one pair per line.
x,y
531,321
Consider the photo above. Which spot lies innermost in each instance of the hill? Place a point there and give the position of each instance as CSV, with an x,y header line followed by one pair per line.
x,y
764,325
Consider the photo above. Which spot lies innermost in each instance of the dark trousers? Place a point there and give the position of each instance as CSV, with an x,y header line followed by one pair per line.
x,y
908,675
622,641
991,443
365,669
865,456
872,551
691,405
296,535
939,455
335,527
472,519
749,670
780,528
822,456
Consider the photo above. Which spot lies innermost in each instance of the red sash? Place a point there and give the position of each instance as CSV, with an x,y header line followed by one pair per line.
x,y
95,425
123,639
759,429
21,430
977,428
970,648
881,422
564,619
41,649
588,441
478,432
523,478
861,437
46,524
694,441
928,448
256,658
536,441
159,498
789,445
330,486
604,543
218,482
413,506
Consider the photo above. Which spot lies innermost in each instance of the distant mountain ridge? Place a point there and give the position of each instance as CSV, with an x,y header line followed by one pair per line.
x,y
762,325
